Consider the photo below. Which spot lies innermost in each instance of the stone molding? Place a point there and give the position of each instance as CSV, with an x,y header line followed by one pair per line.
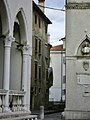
x,y
85,5
8,40
26,50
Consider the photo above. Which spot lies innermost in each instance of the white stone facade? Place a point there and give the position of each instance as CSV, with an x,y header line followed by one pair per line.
x,y
15,54
56,92
77,59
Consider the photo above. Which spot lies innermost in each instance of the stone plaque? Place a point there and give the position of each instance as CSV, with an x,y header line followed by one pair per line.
x,y
83,79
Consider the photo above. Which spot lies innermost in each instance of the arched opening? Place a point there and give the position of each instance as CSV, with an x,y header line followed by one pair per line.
x,y
4,18
1,54
16,60
84,48
4,26
16,53
22,24
0,27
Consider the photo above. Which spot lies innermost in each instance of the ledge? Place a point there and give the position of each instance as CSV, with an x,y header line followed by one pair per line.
x,y
16,92
85,5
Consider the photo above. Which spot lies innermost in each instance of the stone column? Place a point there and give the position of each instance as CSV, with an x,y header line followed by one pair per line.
x,y
29,81
6,74
26,78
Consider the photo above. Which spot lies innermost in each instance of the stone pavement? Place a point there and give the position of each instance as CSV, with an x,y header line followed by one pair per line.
x,y
49,115
54,116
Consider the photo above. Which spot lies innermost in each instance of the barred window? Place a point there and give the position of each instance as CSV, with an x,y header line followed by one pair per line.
x,y
39,46
36,44
45,28
39,23
35,70
35,19
39,73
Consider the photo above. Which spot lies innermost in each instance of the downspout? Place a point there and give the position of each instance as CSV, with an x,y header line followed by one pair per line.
x,y
61,73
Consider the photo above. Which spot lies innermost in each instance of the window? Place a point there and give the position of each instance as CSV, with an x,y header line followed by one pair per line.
x,y
46,51
39,90
39,23
35,90
47,74
45,28
39,73
35,19
35,70
47,91
39,46
36,44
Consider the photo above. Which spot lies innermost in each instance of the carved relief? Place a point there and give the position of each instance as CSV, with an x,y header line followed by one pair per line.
x,y
78,5
86,65
84,48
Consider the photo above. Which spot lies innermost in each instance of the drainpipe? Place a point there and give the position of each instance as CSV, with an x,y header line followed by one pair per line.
x,y
61,72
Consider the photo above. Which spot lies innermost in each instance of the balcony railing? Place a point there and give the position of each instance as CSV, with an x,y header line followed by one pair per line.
x,y
2,99
16,106
16,100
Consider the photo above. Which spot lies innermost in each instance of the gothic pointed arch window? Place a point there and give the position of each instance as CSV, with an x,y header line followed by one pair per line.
x,y
4,29
19,33
1,55
84,47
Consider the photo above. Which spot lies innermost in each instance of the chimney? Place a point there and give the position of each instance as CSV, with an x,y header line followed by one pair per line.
x,y
41,4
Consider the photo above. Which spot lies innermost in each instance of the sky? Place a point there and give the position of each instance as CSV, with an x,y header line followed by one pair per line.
x,y
57,17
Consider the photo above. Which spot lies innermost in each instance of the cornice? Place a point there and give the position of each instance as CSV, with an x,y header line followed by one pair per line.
x,y
82,5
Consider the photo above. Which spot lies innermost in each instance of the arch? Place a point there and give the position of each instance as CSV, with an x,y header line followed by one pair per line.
x,y
0,26
21,20
1,55
84,47
19,33
4,30
4,17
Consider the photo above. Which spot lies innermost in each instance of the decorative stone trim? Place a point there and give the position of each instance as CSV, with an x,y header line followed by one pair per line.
x,y
78,5
3,92
16,93
8,40
26,49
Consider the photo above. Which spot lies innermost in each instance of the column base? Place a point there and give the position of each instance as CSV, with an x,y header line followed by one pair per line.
x,y
26,110
6,109
76,114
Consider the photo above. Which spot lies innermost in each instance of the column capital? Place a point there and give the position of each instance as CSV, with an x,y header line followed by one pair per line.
x,y
26,49
8,40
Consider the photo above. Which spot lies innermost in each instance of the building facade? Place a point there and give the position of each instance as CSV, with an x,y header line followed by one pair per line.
x,y
41,71
15,55
57,91
77,59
